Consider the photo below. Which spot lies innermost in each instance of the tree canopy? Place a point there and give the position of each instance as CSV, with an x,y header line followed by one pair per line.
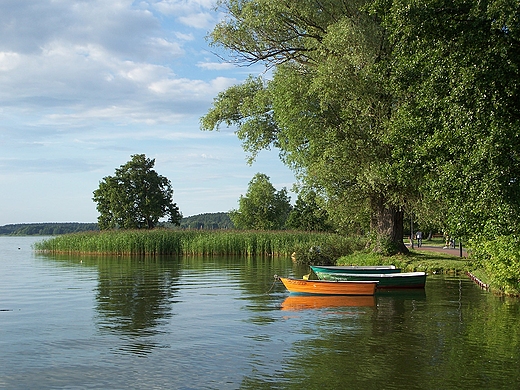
x,y
384,107
307,214
135,197
456,75
262,207
326,107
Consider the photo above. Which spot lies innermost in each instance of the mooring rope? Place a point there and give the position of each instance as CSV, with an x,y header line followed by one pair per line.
x,y
276,278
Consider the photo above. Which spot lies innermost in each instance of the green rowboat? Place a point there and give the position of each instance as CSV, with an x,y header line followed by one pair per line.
x,y
386,281
357,269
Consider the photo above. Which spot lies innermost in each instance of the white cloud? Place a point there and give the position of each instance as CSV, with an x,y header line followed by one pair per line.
x,y
107,62
197,14
183,6
8,61
40,165
184,37
86,83
117,115
198,20
216,65
27,26
164,47
191,89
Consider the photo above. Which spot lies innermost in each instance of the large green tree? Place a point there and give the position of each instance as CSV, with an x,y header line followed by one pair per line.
x,y
327,107
456,76
135,197
262,207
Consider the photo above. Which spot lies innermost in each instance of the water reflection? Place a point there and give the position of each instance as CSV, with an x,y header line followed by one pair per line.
x,y
182,314
451,335
303,302
403,293
394,306
135,295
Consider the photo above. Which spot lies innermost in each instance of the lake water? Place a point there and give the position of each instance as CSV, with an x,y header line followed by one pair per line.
x,y
71,322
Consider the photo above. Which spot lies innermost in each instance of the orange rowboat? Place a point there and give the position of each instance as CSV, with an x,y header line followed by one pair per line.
x,y
328,287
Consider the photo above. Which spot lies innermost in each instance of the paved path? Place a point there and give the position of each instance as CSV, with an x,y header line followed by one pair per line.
x,y
439,249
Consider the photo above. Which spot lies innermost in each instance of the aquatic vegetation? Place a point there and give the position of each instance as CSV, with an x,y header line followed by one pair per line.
x,y
196,242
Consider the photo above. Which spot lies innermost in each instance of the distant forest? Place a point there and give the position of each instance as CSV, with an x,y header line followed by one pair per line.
x,y
46,229
201,221
209,221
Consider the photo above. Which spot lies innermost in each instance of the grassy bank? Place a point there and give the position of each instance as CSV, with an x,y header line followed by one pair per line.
x,y
440,263
430,262
199,242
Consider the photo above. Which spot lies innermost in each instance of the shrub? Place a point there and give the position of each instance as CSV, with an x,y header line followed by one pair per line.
x,y
331,248
500,259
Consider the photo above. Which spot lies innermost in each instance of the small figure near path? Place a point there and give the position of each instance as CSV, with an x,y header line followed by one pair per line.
x,y
418,235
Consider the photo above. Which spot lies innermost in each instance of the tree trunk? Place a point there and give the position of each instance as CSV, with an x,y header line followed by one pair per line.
x,y
388,225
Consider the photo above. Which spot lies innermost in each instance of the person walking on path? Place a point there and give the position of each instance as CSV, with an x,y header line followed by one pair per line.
x,y
418,235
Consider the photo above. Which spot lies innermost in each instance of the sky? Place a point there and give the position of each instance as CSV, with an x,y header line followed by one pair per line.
x,y
85,84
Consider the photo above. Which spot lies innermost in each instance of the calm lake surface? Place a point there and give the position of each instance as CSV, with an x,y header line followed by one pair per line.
x,y
220,323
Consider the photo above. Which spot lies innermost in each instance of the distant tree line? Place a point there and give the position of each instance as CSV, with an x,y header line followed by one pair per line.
x,y
202,221
137,197
207,221
46,229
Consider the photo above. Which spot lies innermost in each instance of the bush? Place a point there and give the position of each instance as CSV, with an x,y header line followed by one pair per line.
x,y
329,250
500,259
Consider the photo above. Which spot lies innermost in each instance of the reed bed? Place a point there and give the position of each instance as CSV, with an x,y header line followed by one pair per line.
x,y
192,242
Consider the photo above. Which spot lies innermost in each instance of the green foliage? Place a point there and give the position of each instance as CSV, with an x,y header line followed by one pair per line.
x,y
190,242
330,249
262,208
135,197
327,106
308,215
456,75
383,245
500,259
207,221
385,107
249,106
46,229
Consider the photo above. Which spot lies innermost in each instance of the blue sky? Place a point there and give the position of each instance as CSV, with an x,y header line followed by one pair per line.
x,y
84,84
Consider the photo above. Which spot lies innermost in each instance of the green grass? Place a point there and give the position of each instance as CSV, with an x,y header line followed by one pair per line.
x,y
430,262
434,241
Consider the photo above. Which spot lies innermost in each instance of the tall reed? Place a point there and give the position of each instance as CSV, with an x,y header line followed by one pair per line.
x,y
191,242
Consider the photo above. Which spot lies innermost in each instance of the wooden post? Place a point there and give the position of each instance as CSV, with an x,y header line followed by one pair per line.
x,y
411,230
